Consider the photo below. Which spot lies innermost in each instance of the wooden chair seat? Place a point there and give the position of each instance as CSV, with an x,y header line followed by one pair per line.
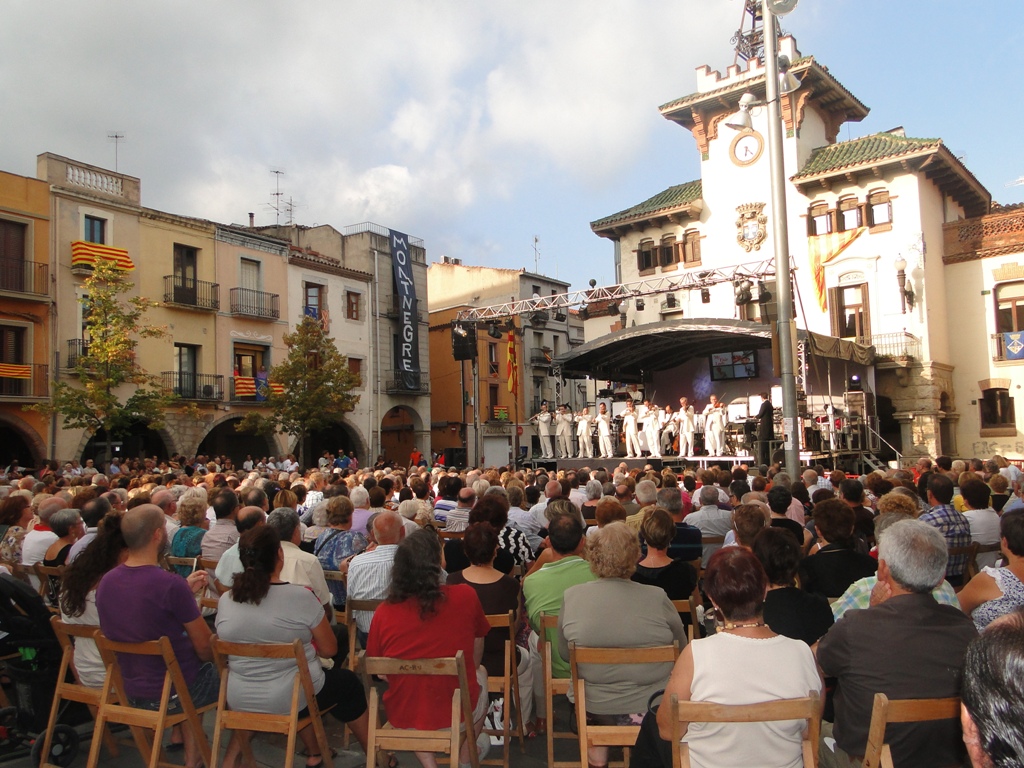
x,y
610,735
114,706
288,724
807,708
508,686
446,740
885,710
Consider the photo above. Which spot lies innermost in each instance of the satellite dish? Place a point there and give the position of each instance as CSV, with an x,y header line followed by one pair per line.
x,y
781,7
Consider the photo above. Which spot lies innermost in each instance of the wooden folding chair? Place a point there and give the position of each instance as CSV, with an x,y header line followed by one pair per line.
x,y
508,686
451,535
886,710
288,724
971,552
447,740
973,569
114,706
807,708
181,562
350,625
610,735
72,691
689,607
553,686
50,579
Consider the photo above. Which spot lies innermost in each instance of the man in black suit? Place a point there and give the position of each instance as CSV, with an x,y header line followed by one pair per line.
x,y
765,429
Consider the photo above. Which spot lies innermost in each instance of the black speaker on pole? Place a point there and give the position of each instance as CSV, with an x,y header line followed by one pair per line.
x,y
464,342
455,457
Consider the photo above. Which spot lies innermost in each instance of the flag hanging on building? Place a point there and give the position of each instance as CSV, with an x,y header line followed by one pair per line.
x,y
824,248
245,386
83,253
513,365
11,371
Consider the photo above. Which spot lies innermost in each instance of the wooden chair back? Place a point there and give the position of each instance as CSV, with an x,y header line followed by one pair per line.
x,y
508,686
350,624
181,562
72,690
610,735
689,607
336,576
971,553
288,724
447,740
50,579
451,535
553,686
114,704
807,708
885,710
973,568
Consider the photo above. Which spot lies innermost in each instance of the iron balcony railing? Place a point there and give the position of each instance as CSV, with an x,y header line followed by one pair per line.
x,y
250,303
27,380
206,387
20,276
77,349
894,346
539,357
188,292
400,386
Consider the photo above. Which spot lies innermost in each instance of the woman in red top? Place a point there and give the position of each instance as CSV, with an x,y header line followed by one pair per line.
x,y
423,619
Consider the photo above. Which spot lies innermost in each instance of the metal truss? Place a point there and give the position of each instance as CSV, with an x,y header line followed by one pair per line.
x,y
694,279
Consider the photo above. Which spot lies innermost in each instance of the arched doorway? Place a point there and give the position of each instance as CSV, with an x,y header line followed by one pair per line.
x,y
398,434
337,437
224,439
137,442
19,441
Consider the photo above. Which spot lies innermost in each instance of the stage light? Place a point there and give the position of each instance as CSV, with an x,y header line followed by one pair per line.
x,y
742,291
493,331
640,305
705,295
763,294
855,384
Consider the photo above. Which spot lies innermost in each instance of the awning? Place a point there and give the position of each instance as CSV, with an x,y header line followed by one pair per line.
x,y
627,354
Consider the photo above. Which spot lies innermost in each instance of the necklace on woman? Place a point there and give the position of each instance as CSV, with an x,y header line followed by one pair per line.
x,y
752,624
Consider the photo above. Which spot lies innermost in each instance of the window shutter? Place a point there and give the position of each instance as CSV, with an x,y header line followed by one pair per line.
x,y
834,308
865,301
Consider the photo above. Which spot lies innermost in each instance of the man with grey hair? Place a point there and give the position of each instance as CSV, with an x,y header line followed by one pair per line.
x,y
101,481
646,497
168,504
369,573
300,567
360,499
39,539
552,491
924,651
711,519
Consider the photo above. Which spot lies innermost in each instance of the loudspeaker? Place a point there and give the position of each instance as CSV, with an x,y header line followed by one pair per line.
x,y
464,342
455,457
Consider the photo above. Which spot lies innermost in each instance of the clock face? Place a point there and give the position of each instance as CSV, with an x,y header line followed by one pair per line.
x,y
746,148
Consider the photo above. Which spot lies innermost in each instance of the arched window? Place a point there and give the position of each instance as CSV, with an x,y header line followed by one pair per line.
x,y
646,256
879,210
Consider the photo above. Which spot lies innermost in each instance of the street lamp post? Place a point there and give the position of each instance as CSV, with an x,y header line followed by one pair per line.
x,y
786,328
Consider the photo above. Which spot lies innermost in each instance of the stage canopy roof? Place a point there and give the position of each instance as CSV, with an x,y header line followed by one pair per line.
x,y
626,354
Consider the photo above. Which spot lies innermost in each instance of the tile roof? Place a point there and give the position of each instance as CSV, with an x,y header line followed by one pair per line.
x,y
673,197
868,149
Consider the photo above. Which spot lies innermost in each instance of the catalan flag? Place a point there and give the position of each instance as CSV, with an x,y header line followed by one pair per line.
x,y
245,386
513,365
11,371
824,248
277,389
83,253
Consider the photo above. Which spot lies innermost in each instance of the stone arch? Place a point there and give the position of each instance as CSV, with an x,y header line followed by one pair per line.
x,y
222,438
16,434
141,439
400,431
342,435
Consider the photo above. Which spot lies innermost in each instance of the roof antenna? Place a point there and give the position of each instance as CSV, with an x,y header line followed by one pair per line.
x,y
277,193
536,255
117,137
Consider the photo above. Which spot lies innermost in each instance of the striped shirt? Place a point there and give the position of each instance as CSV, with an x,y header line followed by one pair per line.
x,y
369,578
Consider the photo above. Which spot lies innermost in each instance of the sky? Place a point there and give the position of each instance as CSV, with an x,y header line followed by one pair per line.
x,y
476,126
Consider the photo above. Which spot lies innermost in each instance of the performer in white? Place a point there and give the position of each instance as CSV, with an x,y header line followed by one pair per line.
x,y
714,426
652,429
583,422
629,427
604,431
686,421
563,432
543,420
669,427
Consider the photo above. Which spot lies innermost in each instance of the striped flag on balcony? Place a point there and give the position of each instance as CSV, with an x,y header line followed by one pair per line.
x,y
277,389
11,371
245,386
83,253
824,248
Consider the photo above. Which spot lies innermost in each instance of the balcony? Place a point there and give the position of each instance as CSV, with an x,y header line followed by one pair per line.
x,y
403,387
24,381
891,347
540,357
193,294
1007,347
77,349
246,302
203,387
20,276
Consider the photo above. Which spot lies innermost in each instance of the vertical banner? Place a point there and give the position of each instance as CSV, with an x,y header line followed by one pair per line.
x,y
407,356
512,366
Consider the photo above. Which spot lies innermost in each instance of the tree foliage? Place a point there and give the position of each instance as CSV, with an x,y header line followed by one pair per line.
x,y
317,387
114,324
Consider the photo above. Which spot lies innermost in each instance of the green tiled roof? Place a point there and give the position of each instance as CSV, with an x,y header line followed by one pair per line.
x,y
869,149
673,197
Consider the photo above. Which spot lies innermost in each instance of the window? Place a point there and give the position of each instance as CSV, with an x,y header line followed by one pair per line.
x,y
492,396
249,275
819,220
185,259
250,360
879,211
997,411
691,248
314,299
646,256
12,350
186,358
492,358
12,240
849,214
355,367
351,305
1010,307
95,230
669,253
850,314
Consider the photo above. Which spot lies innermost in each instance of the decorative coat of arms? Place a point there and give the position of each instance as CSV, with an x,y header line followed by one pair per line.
x,y
750,226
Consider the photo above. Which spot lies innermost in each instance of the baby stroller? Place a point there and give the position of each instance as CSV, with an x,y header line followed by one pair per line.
x,y
30,656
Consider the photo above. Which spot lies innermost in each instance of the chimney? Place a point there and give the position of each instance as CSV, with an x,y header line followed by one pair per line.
x,y
252,220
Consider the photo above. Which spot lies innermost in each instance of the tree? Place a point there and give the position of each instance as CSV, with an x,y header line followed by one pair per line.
x,y
317,388
113,326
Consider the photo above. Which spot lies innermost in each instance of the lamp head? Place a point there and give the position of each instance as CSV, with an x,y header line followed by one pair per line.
x,y
901,263
740,121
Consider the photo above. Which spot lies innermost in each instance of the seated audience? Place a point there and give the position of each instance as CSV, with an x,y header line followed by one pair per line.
x,y
997,591
788,610
982,518
187,541
836,564
676,577
338,543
